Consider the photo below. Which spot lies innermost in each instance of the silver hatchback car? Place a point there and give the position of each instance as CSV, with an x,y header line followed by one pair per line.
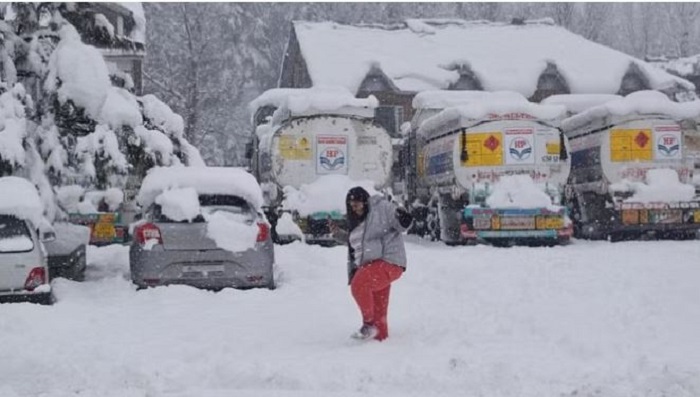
x,y
167,251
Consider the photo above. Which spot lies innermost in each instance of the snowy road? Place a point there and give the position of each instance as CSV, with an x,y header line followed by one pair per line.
x,y
590,319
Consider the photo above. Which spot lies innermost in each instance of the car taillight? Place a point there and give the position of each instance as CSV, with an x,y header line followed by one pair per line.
x,y
148,231
35,278
263,232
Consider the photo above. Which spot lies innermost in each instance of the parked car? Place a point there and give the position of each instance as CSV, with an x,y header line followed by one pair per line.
x,y
24,271
203,227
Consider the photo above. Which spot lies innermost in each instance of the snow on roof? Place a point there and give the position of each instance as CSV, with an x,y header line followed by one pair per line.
x,y
20,198
577,103
441,99
205,180
681,66
308,100
491,109
138,34
640,102
502,56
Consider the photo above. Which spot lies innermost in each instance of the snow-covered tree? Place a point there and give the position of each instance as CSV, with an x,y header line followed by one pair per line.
x,y
72,126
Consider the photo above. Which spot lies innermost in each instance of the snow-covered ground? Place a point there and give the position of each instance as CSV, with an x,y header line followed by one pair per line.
x,y
589,319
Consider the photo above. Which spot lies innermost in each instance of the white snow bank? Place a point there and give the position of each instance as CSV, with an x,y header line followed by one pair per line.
x,y
286,226
492,109
577,103
179,204
205,180
518,191
20,198
305,100
230,231
326,194
662,185
590,319
502,56
640,102
83,74
441,99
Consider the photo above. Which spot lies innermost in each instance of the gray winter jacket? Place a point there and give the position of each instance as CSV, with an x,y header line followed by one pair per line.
x,y
382,237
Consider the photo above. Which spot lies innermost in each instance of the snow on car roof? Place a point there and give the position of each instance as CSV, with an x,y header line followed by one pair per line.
x,y
20,198
307,100
441,99
491,109
640,102
205,180
418,60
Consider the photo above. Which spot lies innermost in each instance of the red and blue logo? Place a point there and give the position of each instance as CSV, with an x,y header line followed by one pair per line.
x,y
520,149
332,158
668,145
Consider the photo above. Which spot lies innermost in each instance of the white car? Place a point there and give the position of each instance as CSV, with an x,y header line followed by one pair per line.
x,y
24,272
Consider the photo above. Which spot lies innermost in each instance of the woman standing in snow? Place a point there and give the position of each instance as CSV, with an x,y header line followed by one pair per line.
x,y
376,258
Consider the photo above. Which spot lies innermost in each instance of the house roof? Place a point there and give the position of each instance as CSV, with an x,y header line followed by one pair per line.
x,y
426,55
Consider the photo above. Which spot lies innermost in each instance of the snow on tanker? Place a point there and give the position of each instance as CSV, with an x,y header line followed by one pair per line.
x,y
633,160
310,147
493,169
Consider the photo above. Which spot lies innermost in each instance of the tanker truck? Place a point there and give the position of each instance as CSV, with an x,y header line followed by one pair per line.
x,y
493,170
632,168
310,147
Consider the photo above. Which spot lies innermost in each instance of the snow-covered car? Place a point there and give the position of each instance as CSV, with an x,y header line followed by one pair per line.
x,y
203,227
24,271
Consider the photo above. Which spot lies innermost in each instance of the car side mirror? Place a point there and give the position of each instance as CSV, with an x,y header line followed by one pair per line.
x,y
48,236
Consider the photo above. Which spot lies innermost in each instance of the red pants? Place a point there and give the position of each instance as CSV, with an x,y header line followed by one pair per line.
x,y
370,287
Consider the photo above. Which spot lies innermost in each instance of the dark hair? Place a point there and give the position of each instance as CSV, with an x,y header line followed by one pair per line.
x,y
356,194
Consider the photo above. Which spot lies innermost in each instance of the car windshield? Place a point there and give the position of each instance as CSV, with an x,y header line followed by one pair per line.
x,y
14,235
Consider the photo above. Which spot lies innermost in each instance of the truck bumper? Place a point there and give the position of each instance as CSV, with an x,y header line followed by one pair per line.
x,y
538,224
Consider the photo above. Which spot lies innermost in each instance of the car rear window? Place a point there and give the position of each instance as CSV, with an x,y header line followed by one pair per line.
x,y
14,235
212,203
231,204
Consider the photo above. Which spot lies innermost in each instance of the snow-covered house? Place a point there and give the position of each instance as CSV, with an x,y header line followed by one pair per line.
x,y
118,30
394,62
